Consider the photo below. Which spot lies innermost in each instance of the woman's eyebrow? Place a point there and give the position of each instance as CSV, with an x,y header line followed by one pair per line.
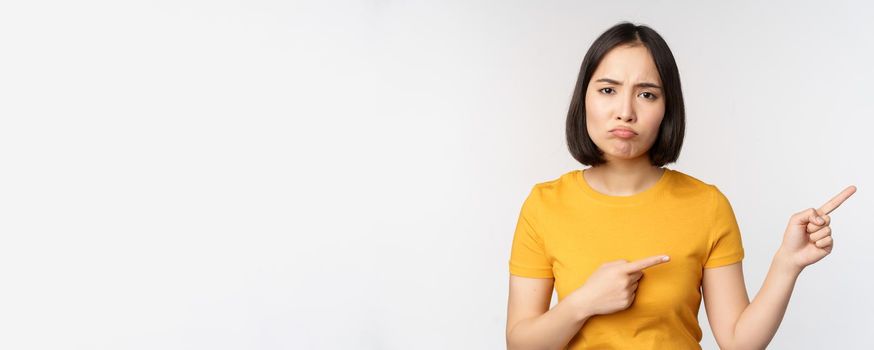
x,y
643,84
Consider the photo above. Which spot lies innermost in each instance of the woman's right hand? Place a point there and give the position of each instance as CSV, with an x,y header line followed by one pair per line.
x,y
613,286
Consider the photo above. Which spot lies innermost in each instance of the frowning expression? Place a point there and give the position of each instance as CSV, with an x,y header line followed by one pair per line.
x,y
625,103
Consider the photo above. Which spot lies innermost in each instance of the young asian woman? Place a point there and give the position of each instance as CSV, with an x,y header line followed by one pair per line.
x,y
630,246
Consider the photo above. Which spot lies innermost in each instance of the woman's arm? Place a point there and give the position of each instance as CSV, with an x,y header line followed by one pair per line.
x,y
760,320
738,324
611,288
530,322
725,298
807,240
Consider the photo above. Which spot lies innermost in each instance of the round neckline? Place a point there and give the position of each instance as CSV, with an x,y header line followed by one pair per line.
x,y
641,197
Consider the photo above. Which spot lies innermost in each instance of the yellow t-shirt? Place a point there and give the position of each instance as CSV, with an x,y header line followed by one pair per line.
x,y
566,230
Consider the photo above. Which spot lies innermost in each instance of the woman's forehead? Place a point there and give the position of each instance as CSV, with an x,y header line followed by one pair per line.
x,y
634,63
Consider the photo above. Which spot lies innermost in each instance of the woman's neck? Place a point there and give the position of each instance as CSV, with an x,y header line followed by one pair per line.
x,y
623,177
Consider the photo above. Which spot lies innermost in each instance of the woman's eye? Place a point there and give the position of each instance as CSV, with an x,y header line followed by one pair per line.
x,y
649,95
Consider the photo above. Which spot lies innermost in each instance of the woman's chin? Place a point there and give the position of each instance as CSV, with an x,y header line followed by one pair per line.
x,y
623,156
623,152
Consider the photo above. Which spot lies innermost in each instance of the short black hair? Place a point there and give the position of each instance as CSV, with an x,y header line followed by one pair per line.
x,y
666,148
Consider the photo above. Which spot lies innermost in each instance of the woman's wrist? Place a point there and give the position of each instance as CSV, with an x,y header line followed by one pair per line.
x,y
784,263
581,305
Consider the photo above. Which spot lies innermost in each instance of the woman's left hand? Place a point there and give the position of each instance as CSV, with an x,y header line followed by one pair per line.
x,y
808,237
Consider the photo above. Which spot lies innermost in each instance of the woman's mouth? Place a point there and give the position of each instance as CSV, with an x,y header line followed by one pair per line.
x,y
622,133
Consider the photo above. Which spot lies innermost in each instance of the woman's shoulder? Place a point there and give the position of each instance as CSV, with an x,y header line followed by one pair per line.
x,y
684,178
687,184
556,183
554,187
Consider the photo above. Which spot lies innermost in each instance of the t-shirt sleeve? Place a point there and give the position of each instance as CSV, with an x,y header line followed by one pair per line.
x,y
726,246
528,256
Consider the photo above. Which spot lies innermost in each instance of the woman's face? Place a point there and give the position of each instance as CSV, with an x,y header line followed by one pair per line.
x,y
625,93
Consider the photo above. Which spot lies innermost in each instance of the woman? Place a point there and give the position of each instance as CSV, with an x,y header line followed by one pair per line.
x,y
631,246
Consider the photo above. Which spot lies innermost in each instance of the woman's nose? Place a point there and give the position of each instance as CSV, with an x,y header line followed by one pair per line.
x,y
626,110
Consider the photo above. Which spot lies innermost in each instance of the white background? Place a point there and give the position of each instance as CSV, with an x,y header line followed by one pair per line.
x,y
275,175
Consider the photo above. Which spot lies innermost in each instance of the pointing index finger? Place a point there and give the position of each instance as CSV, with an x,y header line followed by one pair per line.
x,y
835,202
641,264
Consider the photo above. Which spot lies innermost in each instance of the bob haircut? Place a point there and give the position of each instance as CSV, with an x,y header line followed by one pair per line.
x,y
667,145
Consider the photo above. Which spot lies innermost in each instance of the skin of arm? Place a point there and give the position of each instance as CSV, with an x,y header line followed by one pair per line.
x,y
737,323
530,322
